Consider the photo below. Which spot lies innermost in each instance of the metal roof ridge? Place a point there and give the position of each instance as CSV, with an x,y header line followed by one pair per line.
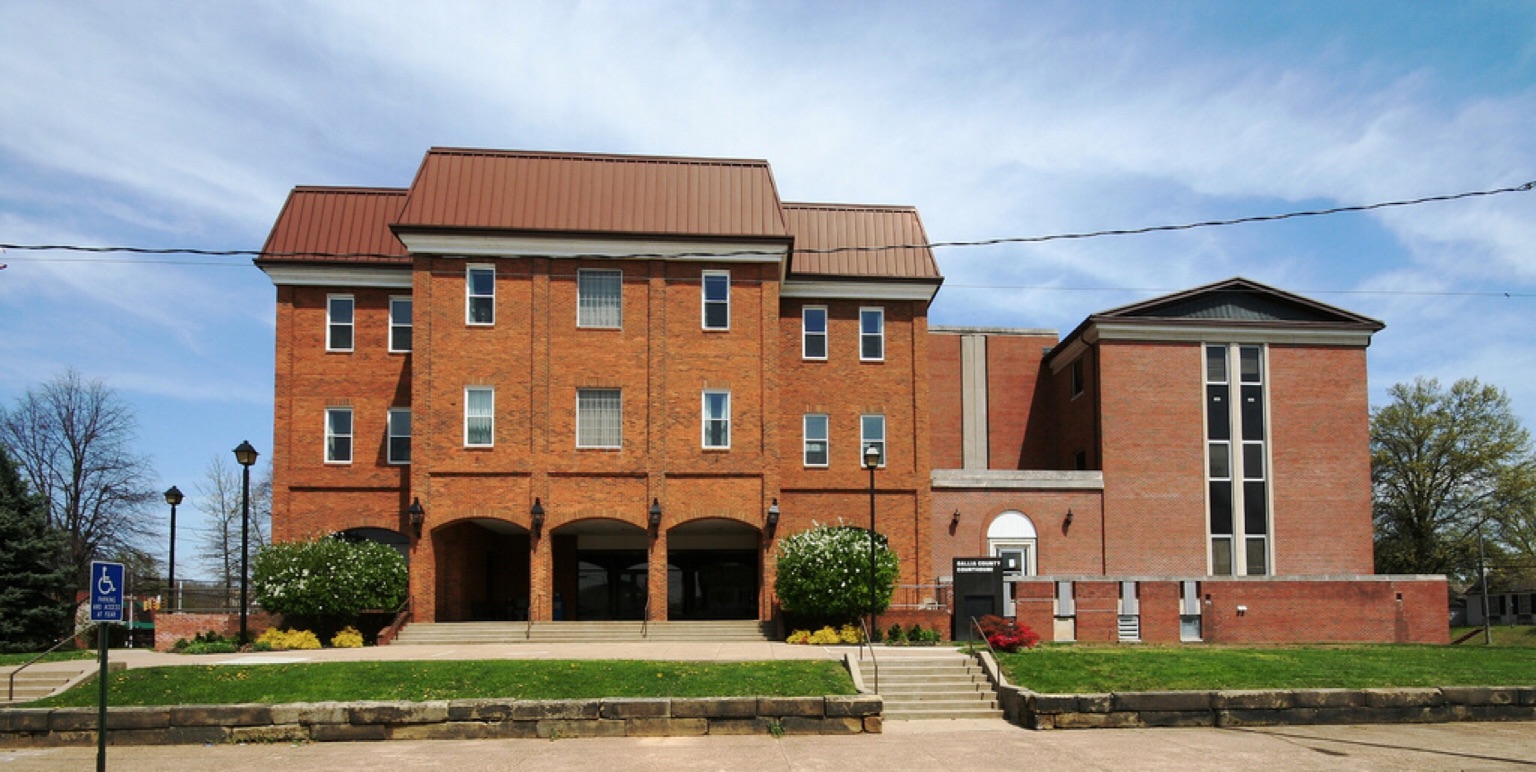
x,y
584,156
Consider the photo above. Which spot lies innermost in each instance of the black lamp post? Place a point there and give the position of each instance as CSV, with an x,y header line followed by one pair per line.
x,y
172,497
246,456
871,462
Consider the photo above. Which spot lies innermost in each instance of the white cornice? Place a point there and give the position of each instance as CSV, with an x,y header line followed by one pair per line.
x,y
338,276
857,290
1017,479
1235,333
488,245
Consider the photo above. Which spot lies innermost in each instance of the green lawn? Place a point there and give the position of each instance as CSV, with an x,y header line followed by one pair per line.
x,y
416,681
57,656
1503,635
1089,669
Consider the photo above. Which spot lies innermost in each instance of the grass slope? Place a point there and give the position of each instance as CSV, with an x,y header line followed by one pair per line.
x,y
1092,669
417,681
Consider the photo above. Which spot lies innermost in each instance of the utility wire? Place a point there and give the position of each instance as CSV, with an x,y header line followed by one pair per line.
x,y
1526,187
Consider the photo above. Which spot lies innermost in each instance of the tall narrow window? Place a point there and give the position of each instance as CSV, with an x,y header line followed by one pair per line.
x,y
816,445
872,434
599,298
400,435
871,334
717,420
479,417
813,332
338,322
1077,376
599,418
480,294
338,435
399,324
717,300
1237,460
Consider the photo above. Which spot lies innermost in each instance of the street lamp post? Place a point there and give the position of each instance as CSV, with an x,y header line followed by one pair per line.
x,y
172,497
871,462
246,456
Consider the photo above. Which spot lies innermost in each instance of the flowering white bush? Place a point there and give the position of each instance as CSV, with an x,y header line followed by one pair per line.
x,y
328,577
824,572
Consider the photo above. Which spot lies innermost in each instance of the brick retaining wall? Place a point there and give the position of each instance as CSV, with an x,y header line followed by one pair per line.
x,y
444,720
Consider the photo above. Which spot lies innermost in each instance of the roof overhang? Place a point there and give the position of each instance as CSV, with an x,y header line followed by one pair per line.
x,y
858,289
310,275
1096,329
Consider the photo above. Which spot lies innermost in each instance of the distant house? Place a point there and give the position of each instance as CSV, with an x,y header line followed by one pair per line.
x,y
1513,604
578,386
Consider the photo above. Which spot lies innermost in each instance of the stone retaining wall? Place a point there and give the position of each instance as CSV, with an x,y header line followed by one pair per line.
x,y
1267,708
444,720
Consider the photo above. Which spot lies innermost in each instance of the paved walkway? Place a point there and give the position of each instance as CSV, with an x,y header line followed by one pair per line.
x,y
931,746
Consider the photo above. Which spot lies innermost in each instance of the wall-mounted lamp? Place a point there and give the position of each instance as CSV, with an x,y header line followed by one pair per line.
x,y
1241,610
416,514
773,516
954,519
655,514
1066,522
537,515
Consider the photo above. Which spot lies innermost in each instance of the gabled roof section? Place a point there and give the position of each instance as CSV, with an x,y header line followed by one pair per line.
x,y
1239,300
850,228
337,225
1237,308
519,191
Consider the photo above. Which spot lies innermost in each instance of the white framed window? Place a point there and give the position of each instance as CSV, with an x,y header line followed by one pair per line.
x,y
871,334
479,417
717,420
717,300
339,313
399,435
599,418
599,298
817,451
872,434
338,435
400,324
813,332
1237,460
480,294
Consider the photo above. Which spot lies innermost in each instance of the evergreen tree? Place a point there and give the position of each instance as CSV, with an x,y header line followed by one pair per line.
x,y
35,570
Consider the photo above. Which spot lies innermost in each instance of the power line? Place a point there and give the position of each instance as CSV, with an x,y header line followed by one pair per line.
x,y
149,251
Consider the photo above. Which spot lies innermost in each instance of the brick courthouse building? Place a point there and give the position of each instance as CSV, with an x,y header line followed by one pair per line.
x,y
601,387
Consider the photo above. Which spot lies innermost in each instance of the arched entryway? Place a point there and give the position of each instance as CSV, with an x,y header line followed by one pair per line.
x,y
713,570
1011,536
482,570
600,570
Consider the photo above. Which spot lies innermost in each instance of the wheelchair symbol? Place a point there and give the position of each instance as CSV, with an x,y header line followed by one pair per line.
x,y
104,585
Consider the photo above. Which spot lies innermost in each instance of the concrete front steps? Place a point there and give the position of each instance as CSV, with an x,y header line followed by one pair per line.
x,y
930,683
469,633
44,680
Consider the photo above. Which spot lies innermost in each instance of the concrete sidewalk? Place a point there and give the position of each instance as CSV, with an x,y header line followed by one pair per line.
x,y
930,746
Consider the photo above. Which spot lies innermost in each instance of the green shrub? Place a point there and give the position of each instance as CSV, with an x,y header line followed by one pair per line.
x,y
895,635
823,573
328,577
348,638
826,636
275,639
208,642
799,637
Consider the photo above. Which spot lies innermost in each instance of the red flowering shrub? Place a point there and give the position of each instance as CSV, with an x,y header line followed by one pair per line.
x,y
1007,634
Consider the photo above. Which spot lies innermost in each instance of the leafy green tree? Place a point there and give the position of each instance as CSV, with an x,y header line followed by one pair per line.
x,y
1444,461
823,573
36,583
328,577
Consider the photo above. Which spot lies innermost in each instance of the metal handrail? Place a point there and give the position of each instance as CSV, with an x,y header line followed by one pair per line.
x,y
645,624
868,642
11,690
402,615
984,638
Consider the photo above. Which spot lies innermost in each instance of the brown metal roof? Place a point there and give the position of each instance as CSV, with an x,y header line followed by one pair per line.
x,y
335,221
582,193
829,226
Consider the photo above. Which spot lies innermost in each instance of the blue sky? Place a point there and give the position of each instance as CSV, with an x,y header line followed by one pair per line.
x,y
185,125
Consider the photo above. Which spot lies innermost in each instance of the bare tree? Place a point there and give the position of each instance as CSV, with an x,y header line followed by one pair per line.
x,y
73,439
219,499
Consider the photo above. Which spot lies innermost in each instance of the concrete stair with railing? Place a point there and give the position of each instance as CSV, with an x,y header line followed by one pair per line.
x,y
470,633
936,683
45,679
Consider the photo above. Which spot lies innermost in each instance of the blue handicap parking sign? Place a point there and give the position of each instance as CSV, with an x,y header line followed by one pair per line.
x,y
106,591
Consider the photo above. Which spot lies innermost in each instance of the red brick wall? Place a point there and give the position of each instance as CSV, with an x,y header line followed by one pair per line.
x,y
1154,458
1073,422
1035,607
1015,437
1059,549
1159,602
170,628
1320,411
945,401
1098,611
